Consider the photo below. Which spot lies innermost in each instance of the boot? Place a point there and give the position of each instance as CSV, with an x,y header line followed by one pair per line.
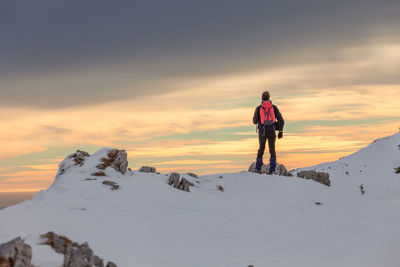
x,y
272,165
259,164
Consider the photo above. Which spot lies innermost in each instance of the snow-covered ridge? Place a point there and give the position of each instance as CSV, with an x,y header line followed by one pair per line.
x,y
255,219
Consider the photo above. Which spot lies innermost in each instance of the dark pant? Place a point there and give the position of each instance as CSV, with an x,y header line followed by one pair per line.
x,y
271,144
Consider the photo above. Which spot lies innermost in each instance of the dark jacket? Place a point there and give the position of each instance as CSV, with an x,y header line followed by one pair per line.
x,y
270,130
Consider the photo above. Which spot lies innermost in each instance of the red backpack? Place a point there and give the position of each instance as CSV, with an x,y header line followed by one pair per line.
x,y
267,113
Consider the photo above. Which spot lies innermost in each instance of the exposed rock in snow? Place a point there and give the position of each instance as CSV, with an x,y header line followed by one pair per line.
x,y
79,157
279,170
111,264
193,175
114,185
397,170
75,159
182,184
174,179
362,189
58,243
15,253
117,159
320,177
81,256
99,173
75,255
147,169
90,179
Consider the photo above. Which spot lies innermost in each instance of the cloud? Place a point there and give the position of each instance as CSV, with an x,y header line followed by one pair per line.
x,y
74,53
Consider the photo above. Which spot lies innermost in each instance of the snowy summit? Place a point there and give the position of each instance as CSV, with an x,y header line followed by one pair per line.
x,y
142,218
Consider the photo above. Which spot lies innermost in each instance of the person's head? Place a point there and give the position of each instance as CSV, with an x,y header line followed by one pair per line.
x,y
265,96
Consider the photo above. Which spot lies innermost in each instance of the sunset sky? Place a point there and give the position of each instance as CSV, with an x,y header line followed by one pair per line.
x,y
175,83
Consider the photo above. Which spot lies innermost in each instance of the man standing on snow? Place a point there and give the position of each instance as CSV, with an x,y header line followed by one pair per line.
x,y
269,119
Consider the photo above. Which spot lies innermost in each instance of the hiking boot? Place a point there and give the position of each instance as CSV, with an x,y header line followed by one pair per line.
x,y
272,165
269,173
259,164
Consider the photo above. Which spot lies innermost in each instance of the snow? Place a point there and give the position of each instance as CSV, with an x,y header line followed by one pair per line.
x,y
259,219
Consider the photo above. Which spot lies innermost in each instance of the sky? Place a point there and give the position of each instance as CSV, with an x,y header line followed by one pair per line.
x,y
175,83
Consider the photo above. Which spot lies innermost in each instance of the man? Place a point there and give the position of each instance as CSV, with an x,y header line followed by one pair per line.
x,y
269,119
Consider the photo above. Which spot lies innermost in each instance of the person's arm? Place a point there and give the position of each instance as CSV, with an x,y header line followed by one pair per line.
x,y
280,121
256,117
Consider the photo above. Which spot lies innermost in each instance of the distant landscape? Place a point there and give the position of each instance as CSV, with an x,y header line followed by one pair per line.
x,y
12,198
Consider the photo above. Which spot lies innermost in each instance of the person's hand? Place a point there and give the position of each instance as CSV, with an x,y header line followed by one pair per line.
x,y
280,135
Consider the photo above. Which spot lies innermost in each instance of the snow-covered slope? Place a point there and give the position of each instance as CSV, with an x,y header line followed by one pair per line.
x,y
258,219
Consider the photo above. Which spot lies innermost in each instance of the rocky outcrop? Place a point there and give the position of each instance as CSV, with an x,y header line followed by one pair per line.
x,y
181,184
319,177
15,253
99,173
81,255
76,159
147,169
79,157
185,184
116,159
75,255
174,179
111,264
279,170
193,175
114,185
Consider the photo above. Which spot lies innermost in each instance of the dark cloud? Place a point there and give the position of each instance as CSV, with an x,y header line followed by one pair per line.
x,y
151,40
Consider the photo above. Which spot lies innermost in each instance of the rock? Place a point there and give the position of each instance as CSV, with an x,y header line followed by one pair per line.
x,y
98,261
117,159
99,173
57,242
280,169
75,159
397,170
90,179
147,169
114,185
220,188
184,185
174,179
111,264
79,157
16,253
192,175
75,255
362,189
120,162
320,177
78,257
